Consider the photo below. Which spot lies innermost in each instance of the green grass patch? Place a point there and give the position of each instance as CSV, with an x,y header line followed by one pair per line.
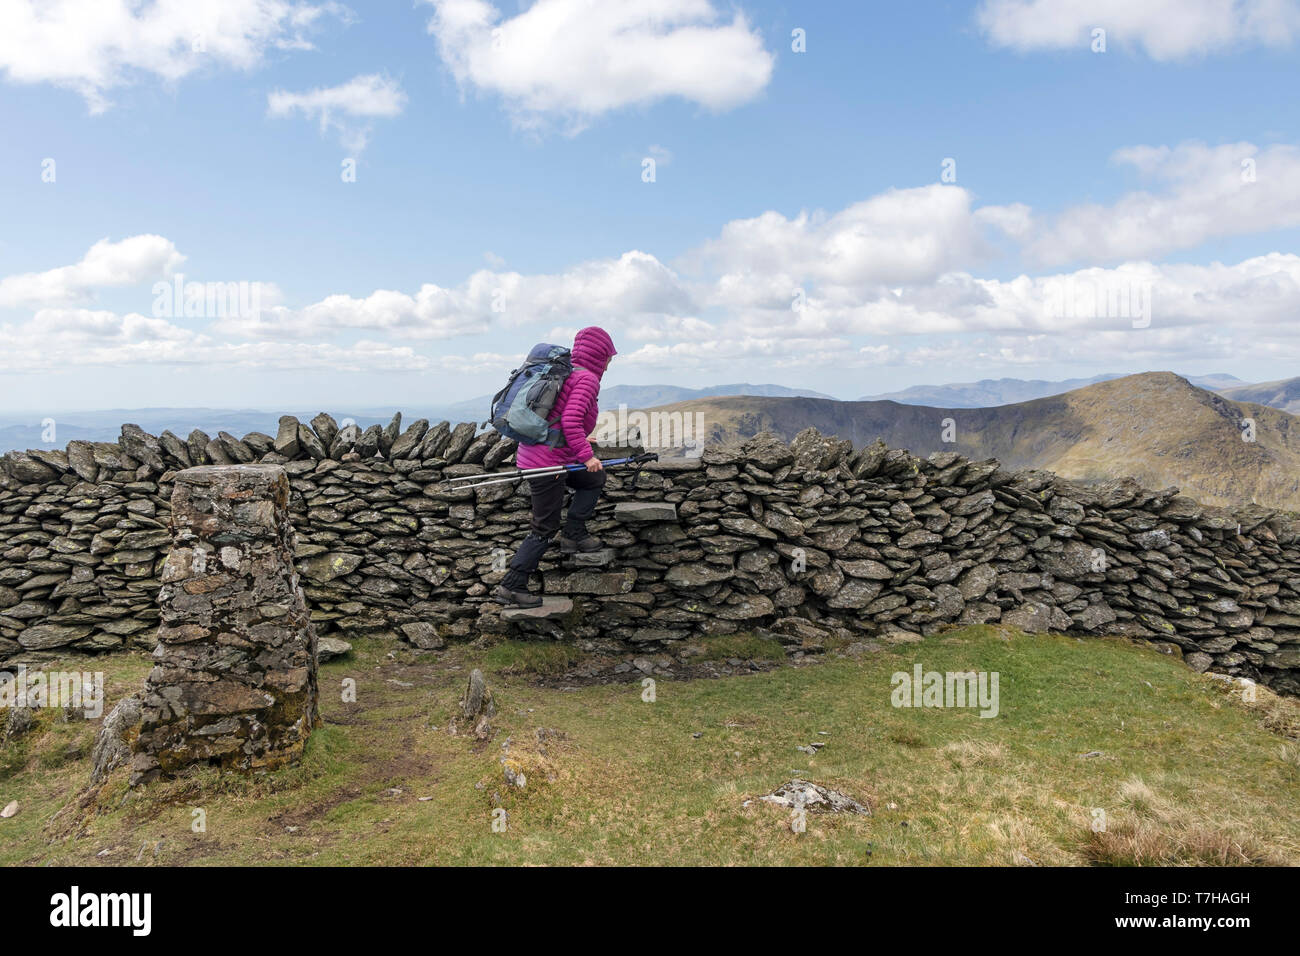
x,y
740,646
1181,769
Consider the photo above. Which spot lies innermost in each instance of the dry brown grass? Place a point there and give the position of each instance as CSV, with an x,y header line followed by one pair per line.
x,y
1148,830
975,753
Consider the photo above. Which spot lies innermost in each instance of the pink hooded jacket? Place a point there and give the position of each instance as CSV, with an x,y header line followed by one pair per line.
x,y
575,406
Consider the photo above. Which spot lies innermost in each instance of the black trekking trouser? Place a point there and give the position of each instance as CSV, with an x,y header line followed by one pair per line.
x,y
548,500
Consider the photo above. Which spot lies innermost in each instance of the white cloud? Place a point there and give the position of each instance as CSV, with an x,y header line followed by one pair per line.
x,y
679,327
578,60
493,362
60,339
127,262
432,313
82,326
1260,295
1138,311
343,107
774,351
1016,220
362,356
890,280
93,46
635,284
903,235
1164,29
1212,192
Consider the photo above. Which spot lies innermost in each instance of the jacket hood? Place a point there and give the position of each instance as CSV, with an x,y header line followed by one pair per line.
x,y
592,349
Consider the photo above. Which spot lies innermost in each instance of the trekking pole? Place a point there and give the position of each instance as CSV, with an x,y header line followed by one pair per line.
x,y
479,481
518,473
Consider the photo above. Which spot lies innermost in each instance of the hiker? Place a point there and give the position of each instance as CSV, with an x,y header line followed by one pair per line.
x,y
575,412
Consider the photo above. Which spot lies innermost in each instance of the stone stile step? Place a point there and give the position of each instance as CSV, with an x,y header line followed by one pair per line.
x,y
551,607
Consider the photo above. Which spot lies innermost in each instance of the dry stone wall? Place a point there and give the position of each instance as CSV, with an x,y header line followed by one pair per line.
x,y
809,540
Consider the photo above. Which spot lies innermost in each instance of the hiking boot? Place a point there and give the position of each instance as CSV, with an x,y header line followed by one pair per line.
x,y
586,543
512,598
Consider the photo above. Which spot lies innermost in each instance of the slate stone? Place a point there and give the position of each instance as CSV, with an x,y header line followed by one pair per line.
x,y
550,608
636,512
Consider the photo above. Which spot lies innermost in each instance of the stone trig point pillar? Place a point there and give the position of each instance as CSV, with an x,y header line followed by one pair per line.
x,y
234,683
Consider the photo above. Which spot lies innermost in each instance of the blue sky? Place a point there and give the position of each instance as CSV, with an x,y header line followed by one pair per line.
x,y
502,173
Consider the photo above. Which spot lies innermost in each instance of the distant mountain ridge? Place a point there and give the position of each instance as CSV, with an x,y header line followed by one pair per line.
x,y
1284,394
25,431
990,392
1155,426
637,396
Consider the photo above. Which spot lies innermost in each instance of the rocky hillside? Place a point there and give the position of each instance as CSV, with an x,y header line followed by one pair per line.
x,y
1284,394
1156,427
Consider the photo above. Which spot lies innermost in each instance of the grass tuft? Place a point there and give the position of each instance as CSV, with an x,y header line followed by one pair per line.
x,y
540,658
